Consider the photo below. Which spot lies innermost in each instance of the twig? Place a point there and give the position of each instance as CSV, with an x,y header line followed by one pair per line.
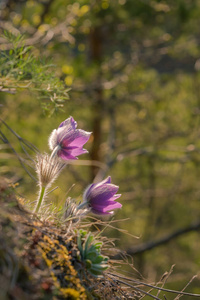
x,y
164,240
3,137
180,294
165,278
156,287
137,289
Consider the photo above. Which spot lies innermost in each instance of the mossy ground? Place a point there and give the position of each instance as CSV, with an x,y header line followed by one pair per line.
x,y
39,261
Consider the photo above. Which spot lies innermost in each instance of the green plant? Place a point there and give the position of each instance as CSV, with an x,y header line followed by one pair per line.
x,y
90,252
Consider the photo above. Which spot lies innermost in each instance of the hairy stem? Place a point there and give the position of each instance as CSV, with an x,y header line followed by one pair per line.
x,y
82,205
41,196
55,150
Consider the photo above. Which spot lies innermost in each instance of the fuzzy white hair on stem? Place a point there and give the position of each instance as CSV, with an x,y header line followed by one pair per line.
x,y
47,168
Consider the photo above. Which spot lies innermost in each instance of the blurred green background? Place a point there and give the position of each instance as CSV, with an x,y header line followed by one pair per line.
x,y
133,70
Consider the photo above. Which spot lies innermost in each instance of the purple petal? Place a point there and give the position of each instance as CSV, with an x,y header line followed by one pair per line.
x,y
87,191
102,193
103,182
80,138
94,186
65,155
107,180
106,187
77,151
65,135
115,197
68,122
68,136
73,138
108,205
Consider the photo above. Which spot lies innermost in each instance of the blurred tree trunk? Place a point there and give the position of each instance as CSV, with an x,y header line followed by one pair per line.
x,y
149,229
97,105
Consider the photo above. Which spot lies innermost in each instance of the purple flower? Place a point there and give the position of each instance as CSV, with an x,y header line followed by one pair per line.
x,y
67,141
101,197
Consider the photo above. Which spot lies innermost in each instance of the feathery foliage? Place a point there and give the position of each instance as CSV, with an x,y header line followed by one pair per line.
x,y
20,69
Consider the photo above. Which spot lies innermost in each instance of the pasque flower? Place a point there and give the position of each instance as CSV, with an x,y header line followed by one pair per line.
x,y
67,141
100,197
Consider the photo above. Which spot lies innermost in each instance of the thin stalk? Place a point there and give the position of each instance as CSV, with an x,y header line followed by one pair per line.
x,y
55,150
82,205
41,196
